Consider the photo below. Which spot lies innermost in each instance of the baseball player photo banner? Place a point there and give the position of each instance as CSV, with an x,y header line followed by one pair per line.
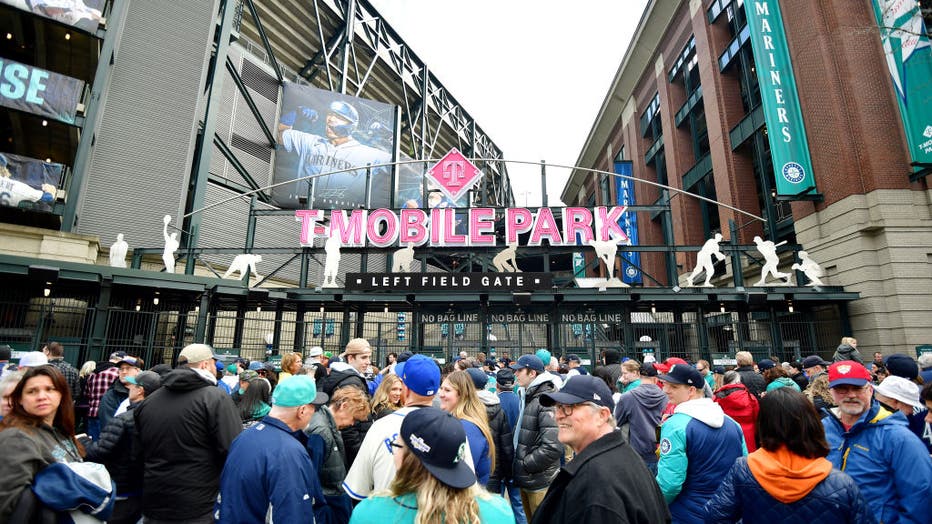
x,y
624,190
38,91
324,132
789,147
81,14
28,183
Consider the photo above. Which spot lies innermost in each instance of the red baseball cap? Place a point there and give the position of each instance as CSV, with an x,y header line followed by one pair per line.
x,y
848,372
668,363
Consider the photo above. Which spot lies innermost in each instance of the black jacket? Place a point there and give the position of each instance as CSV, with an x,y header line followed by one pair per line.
x,y
185,430
115,450
503,436
537,455
751,380
111,401
592,488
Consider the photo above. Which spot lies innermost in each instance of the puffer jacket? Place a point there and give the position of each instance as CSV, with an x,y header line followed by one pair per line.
x,y
115,450
738,403
538,452
890,465
847,352
503,437
836,499
111,401
332,468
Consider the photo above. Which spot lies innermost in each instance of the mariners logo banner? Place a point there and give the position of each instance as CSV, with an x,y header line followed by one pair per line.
x,y
789,147
909,58
38,91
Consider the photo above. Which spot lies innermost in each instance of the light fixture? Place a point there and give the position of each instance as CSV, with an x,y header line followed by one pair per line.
x,y
9,36
47,291
67,36
722,308
155,299
45,123
197,310
259,309
48,160
321,309
138,305
789,306
653,309
386,309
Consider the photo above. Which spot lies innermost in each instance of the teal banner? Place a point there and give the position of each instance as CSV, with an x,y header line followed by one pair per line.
x,y
908,51
789,149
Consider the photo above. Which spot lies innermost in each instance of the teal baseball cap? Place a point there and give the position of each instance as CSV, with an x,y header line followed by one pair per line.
x,y
298,391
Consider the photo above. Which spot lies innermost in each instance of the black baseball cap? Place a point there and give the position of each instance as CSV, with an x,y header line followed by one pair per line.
x,y
438,440
505,378
648,370
814,360
681,374
582,388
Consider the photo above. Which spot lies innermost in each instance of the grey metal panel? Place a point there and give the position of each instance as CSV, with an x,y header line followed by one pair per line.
x,y
143,150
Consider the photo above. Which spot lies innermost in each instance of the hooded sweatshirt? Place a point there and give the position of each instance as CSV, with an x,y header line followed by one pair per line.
x,y
698,446
786,476
641,409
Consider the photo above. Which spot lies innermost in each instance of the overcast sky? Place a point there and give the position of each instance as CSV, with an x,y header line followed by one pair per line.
x,y
532,74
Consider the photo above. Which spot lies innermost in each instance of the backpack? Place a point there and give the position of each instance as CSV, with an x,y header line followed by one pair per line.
x,y
339,379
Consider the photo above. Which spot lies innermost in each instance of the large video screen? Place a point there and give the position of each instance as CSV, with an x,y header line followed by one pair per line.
x,y
82,14
28,183
323,132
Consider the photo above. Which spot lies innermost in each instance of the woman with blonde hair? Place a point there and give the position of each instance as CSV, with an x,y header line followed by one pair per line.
x,y
458,397
291,366
387,397
433,483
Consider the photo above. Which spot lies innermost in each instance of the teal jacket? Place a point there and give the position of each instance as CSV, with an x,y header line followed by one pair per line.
x,y
890,465
698,445
402,509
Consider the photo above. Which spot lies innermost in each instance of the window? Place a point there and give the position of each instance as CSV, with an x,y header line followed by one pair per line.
x,y
710,220
747,78
621,155
736,17
650,120
605,189
659,164
686,73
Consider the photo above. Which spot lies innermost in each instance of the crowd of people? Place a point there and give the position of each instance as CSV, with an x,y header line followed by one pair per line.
x,y
334,439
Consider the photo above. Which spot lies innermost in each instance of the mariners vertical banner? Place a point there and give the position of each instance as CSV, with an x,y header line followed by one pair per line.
x,y
908,51
624,190
789,148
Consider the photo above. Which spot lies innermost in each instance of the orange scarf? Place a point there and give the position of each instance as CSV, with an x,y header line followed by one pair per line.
x,y
786,476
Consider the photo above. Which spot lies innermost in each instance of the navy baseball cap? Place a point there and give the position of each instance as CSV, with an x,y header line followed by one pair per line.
x,y
648,370
529,362
505,378
438,440
901,365
479,378
582,388
766,364
681,374
814,360
573,357
420,374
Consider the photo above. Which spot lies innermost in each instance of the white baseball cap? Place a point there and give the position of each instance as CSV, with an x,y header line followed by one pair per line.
x,y
899,388
33,359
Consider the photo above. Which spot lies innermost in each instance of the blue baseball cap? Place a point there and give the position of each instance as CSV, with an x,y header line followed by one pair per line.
x,y
297,391
255,365
479,378
529,362
583,388
438,440
680,374
420,374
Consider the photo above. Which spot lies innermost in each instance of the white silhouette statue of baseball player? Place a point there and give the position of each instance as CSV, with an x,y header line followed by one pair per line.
x,y
118,252
332,262
769,250
505,261
606,251
171,245
704,260
402,259
244,263
810,268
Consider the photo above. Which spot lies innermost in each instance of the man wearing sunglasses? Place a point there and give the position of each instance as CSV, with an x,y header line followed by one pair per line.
x,y
589,488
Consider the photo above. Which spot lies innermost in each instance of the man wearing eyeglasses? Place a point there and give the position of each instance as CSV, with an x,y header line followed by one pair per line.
x,y
876,448
589,488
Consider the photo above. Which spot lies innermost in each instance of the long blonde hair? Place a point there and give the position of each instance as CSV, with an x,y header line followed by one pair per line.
x,y
437,503
470,408
381,399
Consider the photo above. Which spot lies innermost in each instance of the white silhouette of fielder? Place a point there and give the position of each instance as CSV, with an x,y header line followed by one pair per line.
x,y
244,263
505,261
332,262
810,268
704,260
769,250
606,250
402,259
118,252
171,245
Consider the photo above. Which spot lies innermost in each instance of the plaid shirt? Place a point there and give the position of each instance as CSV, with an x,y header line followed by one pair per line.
x,y
97,385
71,376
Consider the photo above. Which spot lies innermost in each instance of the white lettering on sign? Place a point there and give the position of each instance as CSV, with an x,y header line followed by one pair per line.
x,y
616,318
